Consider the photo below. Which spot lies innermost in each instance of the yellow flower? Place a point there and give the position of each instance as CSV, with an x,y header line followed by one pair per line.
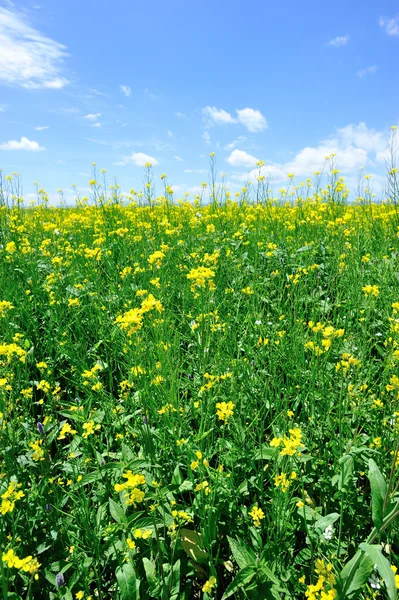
x,y
66,428
257,515
90,427
207,587
224,410
371,290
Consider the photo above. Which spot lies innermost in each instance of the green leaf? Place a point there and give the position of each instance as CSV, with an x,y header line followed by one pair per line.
x,y
243,555
150,572
193,545
346,473
175,581
128,583
177,478
383,566
355,575
240,580
326,521
117,512
378,493
265,452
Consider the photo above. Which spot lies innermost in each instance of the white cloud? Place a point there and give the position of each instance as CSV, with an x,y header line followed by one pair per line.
x,y
28,59
138,158
214,115
41,127
206,137
98,125
61,162
251,118
170,133
23,144
1,109
195,189
239,158
234,143
355,146
178,158
339,41
92,116
200,171
181,115
367,71
126,90
391,26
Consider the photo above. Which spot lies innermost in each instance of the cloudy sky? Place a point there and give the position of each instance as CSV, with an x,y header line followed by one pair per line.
x,y
126,82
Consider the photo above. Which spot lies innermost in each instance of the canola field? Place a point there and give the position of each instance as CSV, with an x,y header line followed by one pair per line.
x,y
200,400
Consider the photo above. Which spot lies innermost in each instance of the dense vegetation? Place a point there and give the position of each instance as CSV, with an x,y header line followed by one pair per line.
x,y
200,400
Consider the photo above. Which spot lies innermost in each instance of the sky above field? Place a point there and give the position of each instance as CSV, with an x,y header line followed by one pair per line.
x,y
125,82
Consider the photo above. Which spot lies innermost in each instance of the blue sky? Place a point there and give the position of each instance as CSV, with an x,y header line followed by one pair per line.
x,y
117,82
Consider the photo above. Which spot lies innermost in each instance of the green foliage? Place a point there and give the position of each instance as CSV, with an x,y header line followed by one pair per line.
x,y
200,401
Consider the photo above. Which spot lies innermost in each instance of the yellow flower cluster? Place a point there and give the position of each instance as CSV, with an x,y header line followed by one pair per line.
x,y
256,515
201,277
10,496
371,290
224,410
5,306
27,565
323,589
290,444
132,320
133,494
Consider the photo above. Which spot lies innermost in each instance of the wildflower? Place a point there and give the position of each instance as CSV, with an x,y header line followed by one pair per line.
x,y
133,494
371,290
203,486
257,515
207,587
66,429
395,569
290,444
79,595
328,533
27,565
38,451
59,580
10,496
90,427
142,534
282,482
224,410
200,277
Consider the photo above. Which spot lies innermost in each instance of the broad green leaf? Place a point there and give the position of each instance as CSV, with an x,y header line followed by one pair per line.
x,y
383,566
378,493
243,555
175,581
267,573
177,478
326,521
355,575
193,545
117,512
346,472
240,580
127,582
150,572
265,452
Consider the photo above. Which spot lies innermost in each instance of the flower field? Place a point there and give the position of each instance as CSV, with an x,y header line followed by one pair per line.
x,y
200,399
